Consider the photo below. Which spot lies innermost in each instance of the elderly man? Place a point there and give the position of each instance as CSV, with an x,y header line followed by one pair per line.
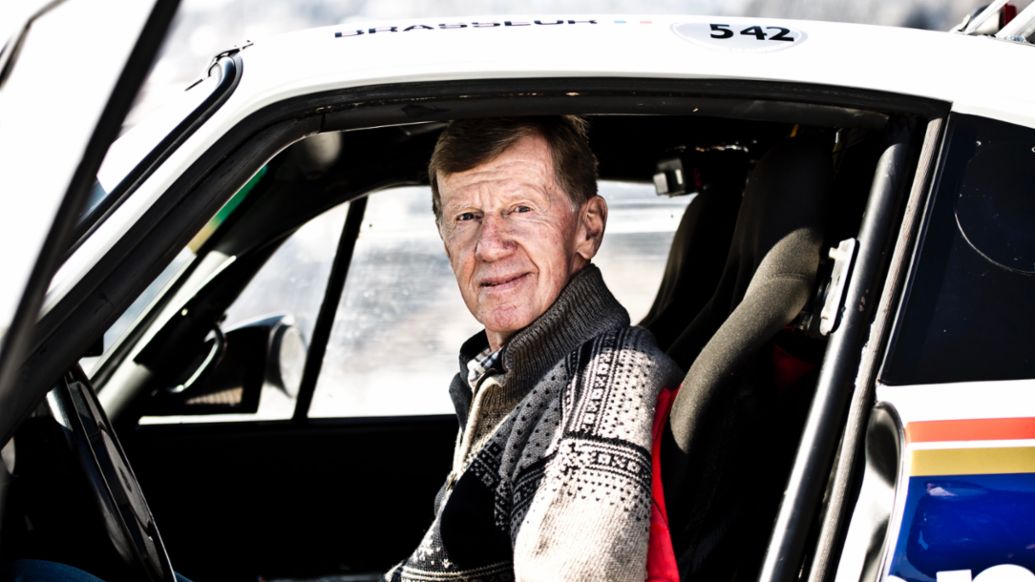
x,y
555,398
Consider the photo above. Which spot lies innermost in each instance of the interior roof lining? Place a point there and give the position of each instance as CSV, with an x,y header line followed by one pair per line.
x,y
705,108
413,103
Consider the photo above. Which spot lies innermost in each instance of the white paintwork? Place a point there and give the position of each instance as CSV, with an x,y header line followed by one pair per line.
x,y
971,444
971,72
998,399
1000,573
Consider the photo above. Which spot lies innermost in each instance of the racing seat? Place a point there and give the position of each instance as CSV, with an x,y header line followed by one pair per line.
x,y
693,268
729,438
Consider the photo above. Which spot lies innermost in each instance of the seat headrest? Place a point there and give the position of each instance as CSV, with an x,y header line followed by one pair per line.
x,y
778,232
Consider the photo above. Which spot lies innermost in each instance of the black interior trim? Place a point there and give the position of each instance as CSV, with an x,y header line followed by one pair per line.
x,y
291,500
753,100
117,493
848,473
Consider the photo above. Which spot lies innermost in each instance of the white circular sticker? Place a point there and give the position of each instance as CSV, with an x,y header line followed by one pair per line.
x,y
742,37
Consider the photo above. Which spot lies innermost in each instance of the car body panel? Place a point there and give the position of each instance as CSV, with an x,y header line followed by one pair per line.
x,y
907,62
966,501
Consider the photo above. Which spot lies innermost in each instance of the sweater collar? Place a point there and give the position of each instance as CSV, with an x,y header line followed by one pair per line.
x,y
584,309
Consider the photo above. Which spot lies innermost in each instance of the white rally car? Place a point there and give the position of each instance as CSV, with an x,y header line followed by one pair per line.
x,y
830,226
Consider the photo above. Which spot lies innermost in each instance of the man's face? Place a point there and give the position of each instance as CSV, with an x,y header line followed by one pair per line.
x,y
513,237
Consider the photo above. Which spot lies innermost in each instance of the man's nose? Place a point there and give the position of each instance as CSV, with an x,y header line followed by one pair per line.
x,y
494,238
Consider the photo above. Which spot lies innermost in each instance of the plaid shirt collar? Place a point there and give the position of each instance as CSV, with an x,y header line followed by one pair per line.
x,y
482,366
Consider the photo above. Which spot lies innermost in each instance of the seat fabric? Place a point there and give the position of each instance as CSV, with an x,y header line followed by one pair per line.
x,y
731,431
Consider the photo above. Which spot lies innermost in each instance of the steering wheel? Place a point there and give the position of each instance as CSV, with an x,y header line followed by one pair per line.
x,y
127,518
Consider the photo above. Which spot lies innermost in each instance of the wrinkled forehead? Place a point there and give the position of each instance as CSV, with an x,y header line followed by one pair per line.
x,y
525,167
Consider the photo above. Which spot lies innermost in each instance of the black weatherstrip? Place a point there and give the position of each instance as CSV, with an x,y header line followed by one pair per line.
x,y
230,68
331,299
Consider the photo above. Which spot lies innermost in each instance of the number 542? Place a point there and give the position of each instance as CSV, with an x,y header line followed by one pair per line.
x,y
758,32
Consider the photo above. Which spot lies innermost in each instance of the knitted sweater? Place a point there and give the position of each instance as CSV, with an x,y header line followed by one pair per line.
x,y
551,480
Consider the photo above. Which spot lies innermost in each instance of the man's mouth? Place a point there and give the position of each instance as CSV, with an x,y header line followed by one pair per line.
x,y
503,282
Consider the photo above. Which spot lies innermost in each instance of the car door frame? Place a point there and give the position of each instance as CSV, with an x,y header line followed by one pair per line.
x,y
807,535
17,398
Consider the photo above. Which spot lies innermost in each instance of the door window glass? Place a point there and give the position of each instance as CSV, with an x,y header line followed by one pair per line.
x,y
294,279
394,342
392,349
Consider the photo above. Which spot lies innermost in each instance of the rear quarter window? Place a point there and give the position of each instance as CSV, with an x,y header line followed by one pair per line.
x,y
969,312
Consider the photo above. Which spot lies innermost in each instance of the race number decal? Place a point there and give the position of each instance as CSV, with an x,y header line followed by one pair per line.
x,y
743,37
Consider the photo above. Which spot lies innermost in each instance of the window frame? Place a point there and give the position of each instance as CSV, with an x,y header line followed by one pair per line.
x,y
227,69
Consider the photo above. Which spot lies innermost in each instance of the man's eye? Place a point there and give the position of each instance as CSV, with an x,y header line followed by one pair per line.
x,y
466,216
523,209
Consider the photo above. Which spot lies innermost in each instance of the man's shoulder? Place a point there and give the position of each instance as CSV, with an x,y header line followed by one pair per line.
x,y
639,340
616,381
633,354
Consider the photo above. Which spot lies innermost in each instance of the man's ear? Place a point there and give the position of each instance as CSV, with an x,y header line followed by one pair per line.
x,y
592,220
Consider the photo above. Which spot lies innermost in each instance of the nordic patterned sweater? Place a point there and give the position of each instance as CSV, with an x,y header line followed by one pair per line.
x,y
551,476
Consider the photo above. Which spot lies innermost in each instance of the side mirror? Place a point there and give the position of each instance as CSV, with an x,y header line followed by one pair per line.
x,y
286,359
215,354
228,371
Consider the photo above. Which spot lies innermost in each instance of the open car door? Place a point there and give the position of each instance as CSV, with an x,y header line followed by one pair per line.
x,y
68,76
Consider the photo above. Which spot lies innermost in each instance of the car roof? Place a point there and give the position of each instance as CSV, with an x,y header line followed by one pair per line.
x,y
978,75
